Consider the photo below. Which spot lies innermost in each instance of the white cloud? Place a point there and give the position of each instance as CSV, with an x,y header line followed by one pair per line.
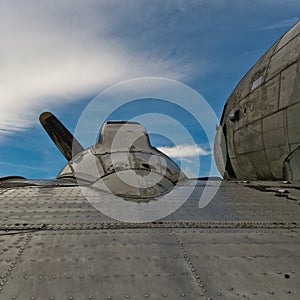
x,y
282,24
18,166
184,151
189,173
53,53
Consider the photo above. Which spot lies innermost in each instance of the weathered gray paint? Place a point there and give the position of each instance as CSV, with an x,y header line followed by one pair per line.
x,y
244,245
262,115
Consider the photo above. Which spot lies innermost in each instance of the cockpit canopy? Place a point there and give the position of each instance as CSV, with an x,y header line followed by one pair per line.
x,y
124,162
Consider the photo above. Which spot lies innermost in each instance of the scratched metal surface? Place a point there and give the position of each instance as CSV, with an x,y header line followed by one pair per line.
x,y
261,117
244,245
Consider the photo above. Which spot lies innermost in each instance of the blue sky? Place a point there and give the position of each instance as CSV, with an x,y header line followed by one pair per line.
x,y
58,55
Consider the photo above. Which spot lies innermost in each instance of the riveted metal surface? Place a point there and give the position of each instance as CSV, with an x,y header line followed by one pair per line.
x,y
285,56
293,113
245,264
265,132
39,204
239,202
251,141
122,264
2,190
234,201
289,86
9,249
12,248
244,244
275,141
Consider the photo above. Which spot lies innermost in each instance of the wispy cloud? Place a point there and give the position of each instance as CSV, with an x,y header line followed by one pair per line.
x,y
17,166
184,152
56,53
281,24
189,173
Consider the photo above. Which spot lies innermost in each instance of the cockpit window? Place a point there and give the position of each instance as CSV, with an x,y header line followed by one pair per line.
x,y
256,83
